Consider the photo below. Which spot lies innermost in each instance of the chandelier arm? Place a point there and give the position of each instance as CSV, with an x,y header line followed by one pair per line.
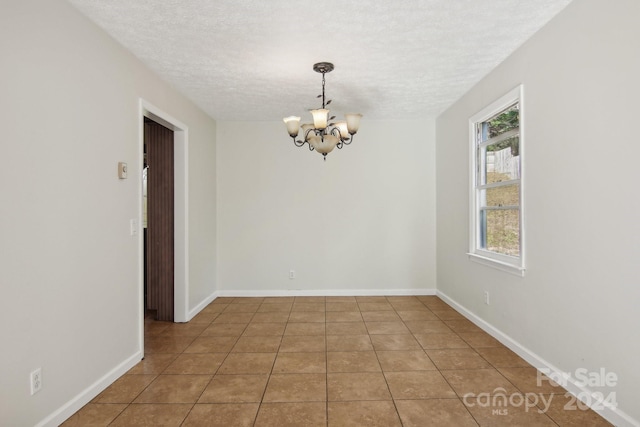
x,y
298,143
335,131
341,141
306,134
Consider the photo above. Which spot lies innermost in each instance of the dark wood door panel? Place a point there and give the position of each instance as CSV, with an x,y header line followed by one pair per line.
x,y
160,220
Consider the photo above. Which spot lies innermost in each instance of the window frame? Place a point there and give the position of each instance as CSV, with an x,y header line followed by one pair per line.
x,y
511,264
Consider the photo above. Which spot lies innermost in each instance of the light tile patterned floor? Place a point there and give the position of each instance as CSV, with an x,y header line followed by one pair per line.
x,y
329,361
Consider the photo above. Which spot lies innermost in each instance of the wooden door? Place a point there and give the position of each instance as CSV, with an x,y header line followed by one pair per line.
x,y
159,254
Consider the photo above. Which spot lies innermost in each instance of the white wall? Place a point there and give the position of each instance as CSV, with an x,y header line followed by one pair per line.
x,y
577,306
363,221
69,270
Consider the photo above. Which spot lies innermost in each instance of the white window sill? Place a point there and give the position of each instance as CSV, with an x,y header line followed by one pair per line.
x,y
516,270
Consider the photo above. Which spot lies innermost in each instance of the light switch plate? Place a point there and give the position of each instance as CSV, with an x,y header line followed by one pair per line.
x,y
122,170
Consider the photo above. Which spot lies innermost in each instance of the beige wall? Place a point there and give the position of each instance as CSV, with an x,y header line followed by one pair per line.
x,y
577,305
69,270
361,222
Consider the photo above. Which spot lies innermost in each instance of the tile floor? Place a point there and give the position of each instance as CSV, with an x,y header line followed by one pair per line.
x,y
329,361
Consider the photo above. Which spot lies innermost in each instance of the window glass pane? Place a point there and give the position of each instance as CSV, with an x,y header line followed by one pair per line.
x,y
502,161
507,195
500,231
502,122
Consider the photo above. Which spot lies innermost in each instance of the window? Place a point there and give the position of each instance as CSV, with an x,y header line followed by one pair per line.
x,y
496,236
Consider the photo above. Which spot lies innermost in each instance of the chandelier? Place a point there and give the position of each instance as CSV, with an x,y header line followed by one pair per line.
x,y
323,135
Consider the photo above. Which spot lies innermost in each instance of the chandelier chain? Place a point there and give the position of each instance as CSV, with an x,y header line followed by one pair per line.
x,y
323,81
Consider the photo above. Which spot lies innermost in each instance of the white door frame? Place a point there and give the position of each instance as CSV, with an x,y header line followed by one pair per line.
x,y
181,205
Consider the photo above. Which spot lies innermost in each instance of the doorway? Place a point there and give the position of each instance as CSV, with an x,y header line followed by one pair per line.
x,y
158,202
149,113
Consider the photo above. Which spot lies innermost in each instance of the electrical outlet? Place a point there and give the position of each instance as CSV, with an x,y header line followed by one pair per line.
x,y
36,381
486,297
292,274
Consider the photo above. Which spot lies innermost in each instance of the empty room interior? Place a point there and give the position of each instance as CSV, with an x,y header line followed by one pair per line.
x,y
458,246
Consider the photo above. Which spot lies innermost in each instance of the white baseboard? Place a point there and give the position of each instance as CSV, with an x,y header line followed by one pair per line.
x,y
84,397
609,413
324,292
198,308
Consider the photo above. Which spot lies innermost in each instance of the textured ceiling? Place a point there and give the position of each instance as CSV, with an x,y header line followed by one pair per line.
x,y
252,59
